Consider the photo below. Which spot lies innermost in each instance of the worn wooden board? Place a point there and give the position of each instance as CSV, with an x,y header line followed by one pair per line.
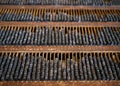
x,y
60,83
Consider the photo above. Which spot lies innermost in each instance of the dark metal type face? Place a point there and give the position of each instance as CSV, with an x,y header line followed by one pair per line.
x,y
56,66
60,34
61,2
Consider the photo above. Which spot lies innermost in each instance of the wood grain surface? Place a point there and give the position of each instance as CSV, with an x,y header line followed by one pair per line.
x,y
60,83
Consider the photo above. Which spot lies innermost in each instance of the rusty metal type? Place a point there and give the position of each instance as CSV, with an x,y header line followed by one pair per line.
x,y
59,42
